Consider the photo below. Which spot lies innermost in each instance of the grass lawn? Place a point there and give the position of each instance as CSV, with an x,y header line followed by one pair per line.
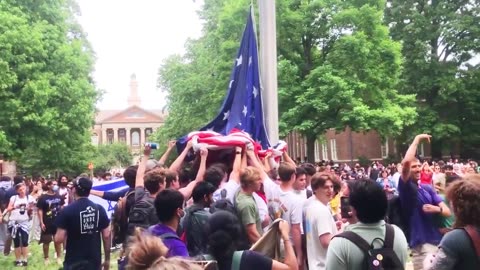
x,y
35,261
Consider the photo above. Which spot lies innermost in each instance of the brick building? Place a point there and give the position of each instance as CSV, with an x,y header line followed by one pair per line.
x,y
347,146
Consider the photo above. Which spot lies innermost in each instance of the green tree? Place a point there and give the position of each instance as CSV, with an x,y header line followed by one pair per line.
x,y
47,95
440,43
108,156
338,68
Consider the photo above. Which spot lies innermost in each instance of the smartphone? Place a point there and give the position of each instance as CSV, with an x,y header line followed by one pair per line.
x,y
345,207
153,146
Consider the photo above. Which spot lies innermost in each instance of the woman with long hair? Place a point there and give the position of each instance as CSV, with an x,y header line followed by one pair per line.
x,y
224,237
460,248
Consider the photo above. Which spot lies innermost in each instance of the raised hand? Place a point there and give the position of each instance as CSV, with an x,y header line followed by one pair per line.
x,y
147,150
171,144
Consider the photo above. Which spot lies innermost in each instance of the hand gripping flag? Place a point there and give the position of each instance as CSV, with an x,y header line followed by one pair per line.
x,y
242,108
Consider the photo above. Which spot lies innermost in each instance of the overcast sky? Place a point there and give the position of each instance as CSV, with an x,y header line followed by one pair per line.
x,y
134,36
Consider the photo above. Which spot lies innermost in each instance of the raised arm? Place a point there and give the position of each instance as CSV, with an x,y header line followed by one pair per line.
x,y
412,150
237,165
177,164
286,157
255,163
139,181
170,146
187,191
410,155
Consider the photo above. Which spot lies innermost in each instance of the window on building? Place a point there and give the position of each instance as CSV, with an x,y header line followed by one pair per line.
x,y
122,135
94,139
385,149
324,151
333,149
109,136
148,132
421,150
136,138
317,151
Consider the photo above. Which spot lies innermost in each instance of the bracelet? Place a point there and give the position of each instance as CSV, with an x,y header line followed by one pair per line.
x,y
286,240
441,210
238,152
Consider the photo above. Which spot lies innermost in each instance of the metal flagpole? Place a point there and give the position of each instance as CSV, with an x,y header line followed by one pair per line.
x,y
268,66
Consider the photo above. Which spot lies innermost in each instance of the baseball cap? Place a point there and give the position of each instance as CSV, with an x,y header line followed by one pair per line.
x,y
83,183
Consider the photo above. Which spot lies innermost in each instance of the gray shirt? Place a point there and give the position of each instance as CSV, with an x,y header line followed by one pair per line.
x,y
455,252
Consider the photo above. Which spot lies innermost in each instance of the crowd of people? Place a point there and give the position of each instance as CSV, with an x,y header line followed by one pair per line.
x,y
216,210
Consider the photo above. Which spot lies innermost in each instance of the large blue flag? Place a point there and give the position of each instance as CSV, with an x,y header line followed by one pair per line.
x,y
242,108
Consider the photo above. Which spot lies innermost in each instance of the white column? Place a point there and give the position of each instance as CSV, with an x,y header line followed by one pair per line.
x,y
142,136
128,135
268,66
104,135
115,135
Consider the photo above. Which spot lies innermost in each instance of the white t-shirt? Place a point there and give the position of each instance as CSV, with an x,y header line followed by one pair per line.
x,y
318,221
20,208
283,204
302,198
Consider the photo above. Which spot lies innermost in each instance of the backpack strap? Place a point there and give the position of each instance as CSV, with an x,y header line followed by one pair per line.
x,y
474,237
389,236
166,236
236,259
356,239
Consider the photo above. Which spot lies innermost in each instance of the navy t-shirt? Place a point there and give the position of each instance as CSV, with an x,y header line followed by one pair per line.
x,y
83,220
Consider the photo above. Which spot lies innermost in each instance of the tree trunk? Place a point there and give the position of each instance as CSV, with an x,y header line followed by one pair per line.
x,y
436,149
310,149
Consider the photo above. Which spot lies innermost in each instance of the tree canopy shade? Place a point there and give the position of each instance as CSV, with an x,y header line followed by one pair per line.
x,y
337,67
47,95
441,50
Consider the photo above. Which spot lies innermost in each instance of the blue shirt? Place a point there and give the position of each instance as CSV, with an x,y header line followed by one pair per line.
x,y
422,225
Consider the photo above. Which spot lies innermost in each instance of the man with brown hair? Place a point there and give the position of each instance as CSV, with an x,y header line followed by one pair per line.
x,y
319,224
247,210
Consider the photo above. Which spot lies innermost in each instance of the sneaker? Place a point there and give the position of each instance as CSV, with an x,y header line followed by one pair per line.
x,y
46,261
18,263
59,261
24,263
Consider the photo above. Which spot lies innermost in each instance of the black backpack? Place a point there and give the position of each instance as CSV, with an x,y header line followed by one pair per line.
x,y
142,214
119,223
223,204
383,258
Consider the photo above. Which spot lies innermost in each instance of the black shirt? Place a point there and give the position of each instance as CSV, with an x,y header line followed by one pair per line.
x,y
252,260
50,206
83,220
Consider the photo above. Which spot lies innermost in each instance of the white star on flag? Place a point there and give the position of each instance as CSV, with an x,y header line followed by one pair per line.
x,y
239,60
240,123
230,85
255,92
226,115
245,111
250,61
210,129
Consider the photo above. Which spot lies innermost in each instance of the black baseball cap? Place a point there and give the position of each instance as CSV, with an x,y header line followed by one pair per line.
x,y
83,183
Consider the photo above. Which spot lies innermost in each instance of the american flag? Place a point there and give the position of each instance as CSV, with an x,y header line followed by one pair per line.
x,y
242,108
